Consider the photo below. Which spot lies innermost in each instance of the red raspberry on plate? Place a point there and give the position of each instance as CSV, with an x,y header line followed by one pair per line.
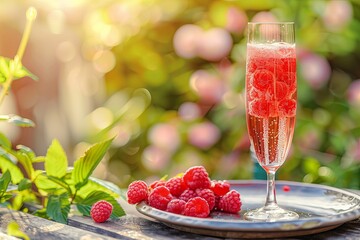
x,y
220,188
230,202
157,183
101,211
187,195
197,177
197,207
286,188
176,206
176,186
160,197
137,192
217,200
208,195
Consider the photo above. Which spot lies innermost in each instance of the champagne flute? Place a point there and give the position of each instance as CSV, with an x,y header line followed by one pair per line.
x,y
271,105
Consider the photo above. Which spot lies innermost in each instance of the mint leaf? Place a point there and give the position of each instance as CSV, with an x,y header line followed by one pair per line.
x,y
61,183
56,160
84,205
13,229
25,158
42,183
24,184
4,182
85,166
4,141
7,165
58,207
26,150
17,120
20,72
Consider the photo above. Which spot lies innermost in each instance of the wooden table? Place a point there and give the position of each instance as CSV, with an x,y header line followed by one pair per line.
x,y
131,226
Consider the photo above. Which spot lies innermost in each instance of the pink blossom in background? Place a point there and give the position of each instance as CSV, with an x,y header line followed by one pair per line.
x,y
186,40
155,158
264,17
236,20
164,136
203,135
337,14
309,140
315,69
353,93
207,86
189,111
354,151
215,44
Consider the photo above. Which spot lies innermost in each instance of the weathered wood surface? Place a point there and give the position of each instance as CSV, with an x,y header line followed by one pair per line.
x,y
131,226
41,229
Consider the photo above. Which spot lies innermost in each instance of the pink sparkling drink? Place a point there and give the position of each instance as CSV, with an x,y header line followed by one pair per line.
x,y
271,106
271,101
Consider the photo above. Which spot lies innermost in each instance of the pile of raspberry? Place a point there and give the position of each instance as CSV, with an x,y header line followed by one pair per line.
x,y
192,194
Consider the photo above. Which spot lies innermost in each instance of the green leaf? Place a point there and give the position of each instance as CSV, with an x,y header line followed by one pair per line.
x,y
20,72
4,141
85,166
58,207
14,230
98,185
56,161
26,150
24,184
4,182
6,197
60,182
25,158
43,184
8,165
17,120
84,205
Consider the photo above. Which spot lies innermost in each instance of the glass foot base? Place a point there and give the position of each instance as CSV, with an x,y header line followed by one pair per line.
x,y
270,214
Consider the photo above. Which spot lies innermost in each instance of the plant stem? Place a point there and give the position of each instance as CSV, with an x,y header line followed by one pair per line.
x,y
30,18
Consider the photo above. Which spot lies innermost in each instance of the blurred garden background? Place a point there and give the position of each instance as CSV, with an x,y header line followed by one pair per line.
x,y
167,79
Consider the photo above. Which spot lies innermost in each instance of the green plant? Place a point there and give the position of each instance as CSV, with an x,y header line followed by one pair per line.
x,y
56,188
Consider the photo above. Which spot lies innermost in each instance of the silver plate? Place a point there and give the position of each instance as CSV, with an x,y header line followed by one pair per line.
x,y
320,207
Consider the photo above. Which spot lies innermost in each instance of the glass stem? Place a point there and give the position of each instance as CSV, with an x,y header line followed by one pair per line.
x,y
271,192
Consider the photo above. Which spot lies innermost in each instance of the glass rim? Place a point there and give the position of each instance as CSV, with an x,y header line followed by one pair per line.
x,y
272,23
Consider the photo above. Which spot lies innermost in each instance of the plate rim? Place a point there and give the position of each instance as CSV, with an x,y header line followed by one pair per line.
x,y
237,225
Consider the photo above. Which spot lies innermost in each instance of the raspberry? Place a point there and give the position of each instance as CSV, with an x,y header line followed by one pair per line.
x,y
220,188
262,79
208,195
176,206
281,91
176,186
160,197
157,183
197,207
187,195
286,188
197,177
230,202
217,200
262,108
137,192
101,211
287,108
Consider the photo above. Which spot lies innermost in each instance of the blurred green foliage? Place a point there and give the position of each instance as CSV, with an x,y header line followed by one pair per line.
x,y
176,91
